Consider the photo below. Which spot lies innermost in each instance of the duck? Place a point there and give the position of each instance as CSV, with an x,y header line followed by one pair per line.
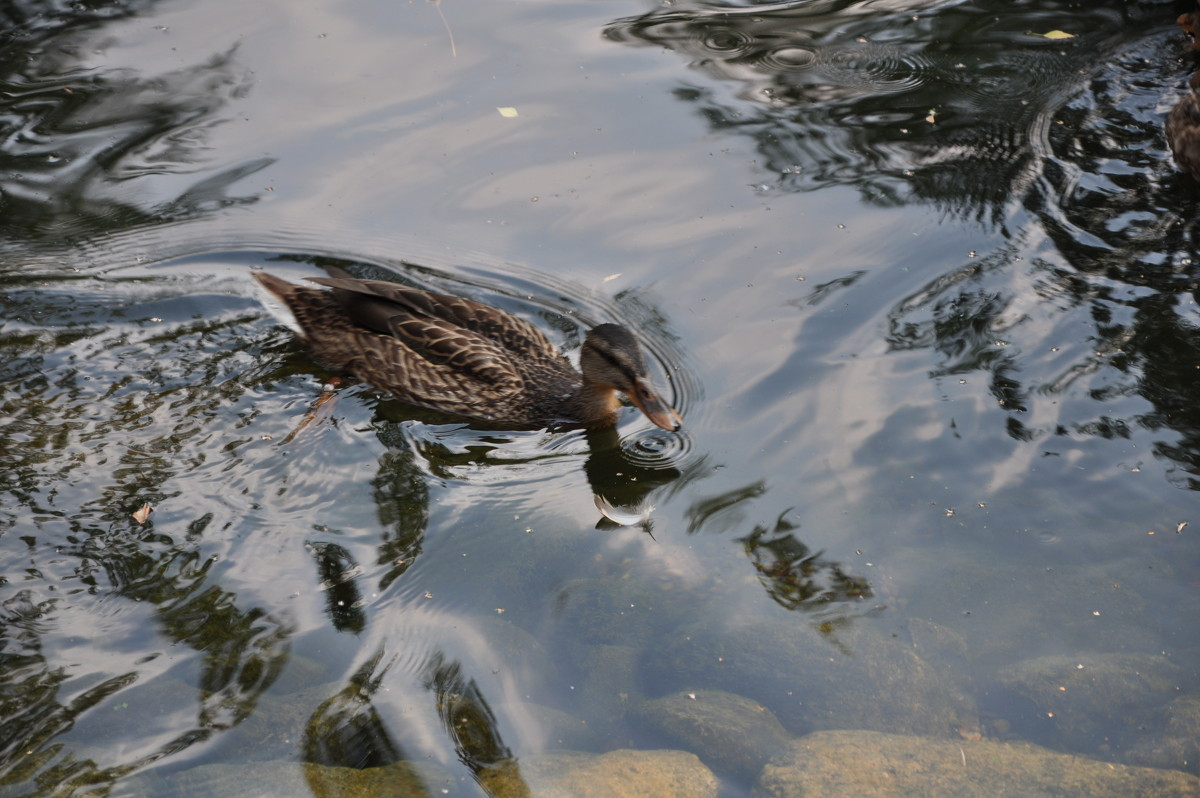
x,y
1190,22
1183,129
462,357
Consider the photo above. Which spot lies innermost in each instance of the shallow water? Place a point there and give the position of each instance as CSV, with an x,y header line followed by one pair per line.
x,y
921,283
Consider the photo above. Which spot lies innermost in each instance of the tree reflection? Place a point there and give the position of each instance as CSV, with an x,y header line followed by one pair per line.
x,y
962,107
82,141
29,690
86,442
912,103
794,576
716,514
346,731
242,653
466,715
339,572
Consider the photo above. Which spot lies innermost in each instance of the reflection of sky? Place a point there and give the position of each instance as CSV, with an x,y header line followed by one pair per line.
x,y
364,120
336,99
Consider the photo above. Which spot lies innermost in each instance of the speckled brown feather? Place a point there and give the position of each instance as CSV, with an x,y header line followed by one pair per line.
x,y
513,334
1183,129
444,353
1190,22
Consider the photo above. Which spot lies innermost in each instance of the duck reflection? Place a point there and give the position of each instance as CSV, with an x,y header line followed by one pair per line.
x,y
623,472
623,475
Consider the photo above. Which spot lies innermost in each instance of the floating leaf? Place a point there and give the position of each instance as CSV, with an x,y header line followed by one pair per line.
x,y
508,112
1055,34
141,515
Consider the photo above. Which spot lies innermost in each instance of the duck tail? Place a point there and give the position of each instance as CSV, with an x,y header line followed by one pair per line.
x,y
277,286
278,298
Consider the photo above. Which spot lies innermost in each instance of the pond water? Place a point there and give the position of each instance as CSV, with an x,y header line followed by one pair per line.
x,y
921,282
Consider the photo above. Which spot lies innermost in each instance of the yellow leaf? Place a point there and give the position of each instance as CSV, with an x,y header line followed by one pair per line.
x,y
1056,34
508,112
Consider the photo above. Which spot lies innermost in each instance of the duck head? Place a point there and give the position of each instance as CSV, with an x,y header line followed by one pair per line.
x,y
611,360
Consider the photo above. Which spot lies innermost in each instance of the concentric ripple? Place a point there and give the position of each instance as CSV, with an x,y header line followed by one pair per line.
x,y
867,68
729,41
656,448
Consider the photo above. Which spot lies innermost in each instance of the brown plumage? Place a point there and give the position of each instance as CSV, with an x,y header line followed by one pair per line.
x,y
1183,129
458,356
1190,22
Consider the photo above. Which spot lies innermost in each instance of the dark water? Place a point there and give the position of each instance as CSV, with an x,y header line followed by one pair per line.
x,y
922,284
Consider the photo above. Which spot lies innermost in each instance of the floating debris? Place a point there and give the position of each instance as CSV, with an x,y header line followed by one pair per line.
x,y
1054,34
143,514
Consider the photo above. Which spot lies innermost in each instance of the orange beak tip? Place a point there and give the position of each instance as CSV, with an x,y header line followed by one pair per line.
x,y
661,414
668,422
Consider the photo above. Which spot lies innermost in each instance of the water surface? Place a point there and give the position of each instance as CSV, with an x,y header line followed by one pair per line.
x,y
921,282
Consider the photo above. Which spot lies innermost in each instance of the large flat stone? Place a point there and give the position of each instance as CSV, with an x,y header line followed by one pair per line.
x,y
866,764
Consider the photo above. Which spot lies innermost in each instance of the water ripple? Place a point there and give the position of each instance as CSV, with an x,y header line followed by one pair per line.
x,y
656,448
948,105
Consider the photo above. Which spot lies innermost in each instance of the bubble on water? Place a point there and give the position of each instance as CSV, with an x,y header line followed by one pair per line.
x,y
729,41
789,57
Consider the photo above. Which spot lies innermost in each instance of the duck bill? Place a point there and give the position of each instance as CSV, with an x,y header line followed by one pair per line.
x,y
646,399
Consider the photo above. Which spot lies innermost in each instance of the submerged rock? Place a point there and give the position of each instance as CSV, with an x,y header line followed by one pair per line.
x,y
863,764
558,730
728,732
616,774
855,677
608,683
1087,702
282,779
1173,742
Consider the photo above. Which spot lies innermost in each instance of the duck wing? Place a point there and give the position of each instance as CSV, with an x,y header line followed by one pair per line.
x,y
402,342
390,309
1183,133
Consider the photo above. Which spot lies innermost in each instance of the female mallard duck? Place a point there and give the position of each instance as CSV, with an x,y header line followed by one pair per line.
x,y
1190,22
457,356
1183,129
